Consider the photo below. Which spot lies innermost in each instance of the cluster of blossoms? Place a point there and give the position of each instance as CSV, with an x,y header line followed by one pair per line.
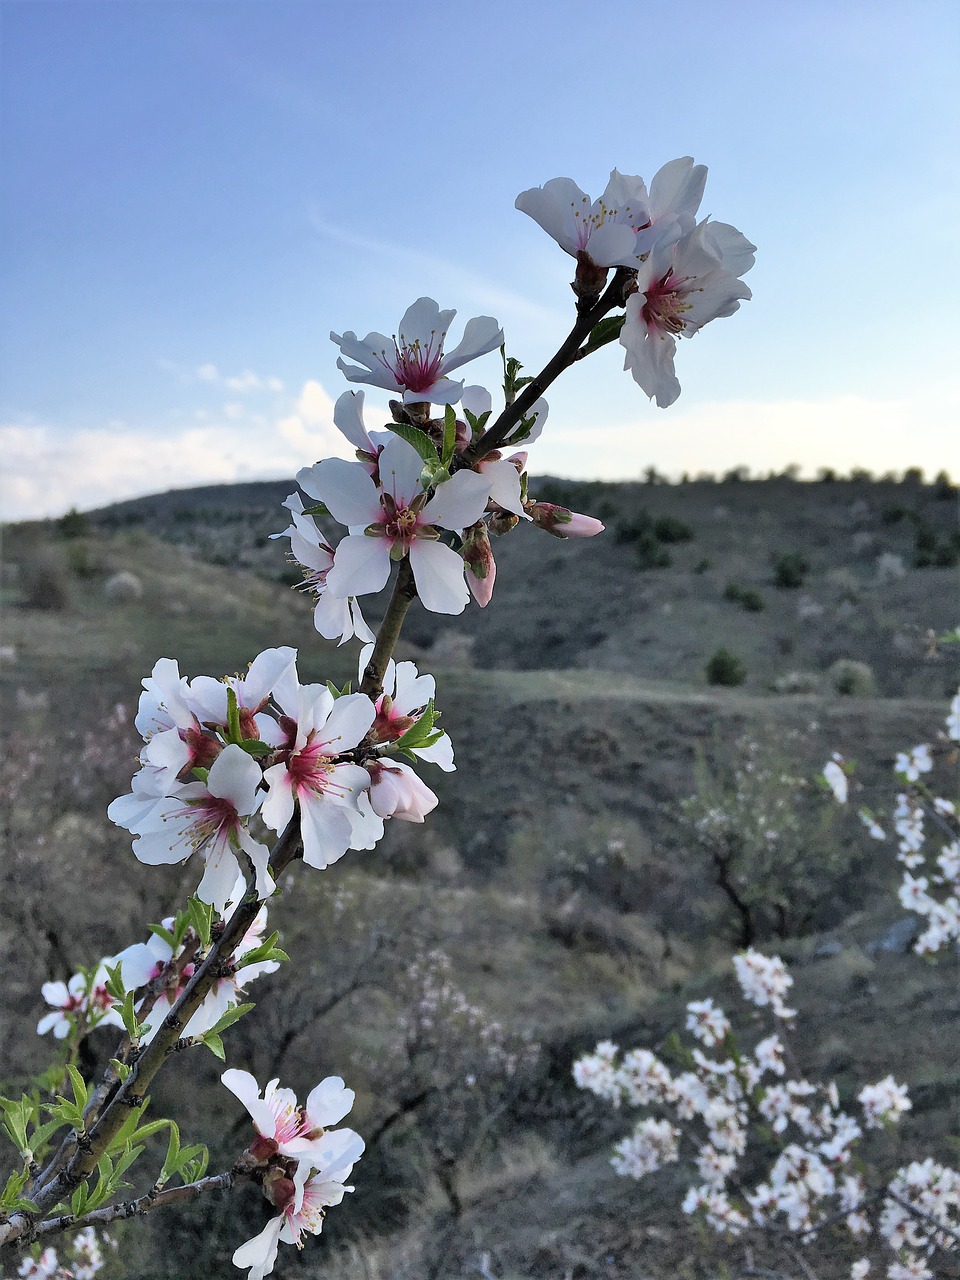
x,y
218,752
927,831
159,969
682,273
384,500
299,1160
727,1112
86,1259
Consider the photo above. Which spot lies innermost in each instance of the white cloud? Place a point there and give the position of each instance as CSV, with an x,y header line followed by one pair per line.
x,y
208,373
48,469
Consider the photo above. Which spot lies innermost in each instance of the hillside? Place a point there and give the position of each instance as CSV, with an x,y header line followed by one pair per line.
x,y
558,876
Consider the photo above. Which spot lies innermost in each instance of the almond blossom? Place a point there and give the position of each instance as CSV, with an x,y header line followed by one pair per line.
x,y
413,361
302,1201
288,1129
333,617
202,817
681,286
395,518
620,226
312,776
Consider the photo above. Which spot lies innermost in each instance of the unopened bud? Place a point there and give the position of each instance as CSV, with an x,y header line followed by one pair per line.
x,y
562,522
278,1188
478,557
261,1149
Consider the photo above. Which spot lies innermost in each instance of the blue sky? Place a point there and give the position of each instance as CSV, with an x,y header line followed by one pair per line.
x,y
195,193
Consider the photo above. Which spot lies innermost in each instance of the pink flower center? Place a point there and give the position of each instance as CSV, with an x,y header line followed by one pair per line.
x,y
215,820
416,366
310,769
666,303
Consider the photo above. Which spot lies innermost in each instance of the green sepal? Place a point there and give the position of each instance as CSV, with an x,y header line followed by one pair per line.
x,y
419,439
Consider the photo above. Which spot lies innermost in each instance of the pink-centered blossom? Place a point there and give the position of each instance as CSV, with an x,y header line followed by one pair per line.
x,y
413,361
302,1210
313,776
395,518
285,1127
681,286
333,617
202,817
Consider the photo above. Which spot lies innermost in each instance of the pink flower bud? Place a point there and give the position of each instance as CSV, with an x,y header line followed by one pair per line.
x,y
562,522
397,792
481,567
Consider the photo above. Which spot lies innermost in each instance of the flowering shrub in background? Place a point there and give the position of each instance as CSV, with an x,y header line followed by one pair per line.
x,y
744,1105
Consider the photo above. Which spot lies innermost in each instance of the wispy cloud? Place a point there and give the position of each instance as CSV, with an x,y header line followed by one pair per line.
x,y
240,383
481,291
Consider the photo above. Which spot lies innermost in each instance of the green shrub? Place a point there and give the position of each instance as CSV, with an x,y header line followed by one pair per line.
x,y
725,668
852,679
789,571
745,597
73,525
670,529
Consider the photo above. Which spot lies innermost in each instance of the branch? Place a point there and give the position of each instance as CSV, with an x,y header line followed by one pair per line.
x,y
137,1208
567,355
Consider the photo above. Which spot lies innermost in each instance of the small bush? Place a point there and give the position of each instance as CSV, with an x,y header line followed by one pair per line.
x,y
745,597
725,668
670,529
894,514
45,584
852,679
789,571
703,565
73,525
648,553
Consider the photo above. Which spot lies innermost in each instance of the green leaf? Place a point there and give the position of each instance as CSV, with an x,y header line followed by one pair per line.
x,y
11,1192
16,1115
171,1162
421,734
229,1018
449,434
200,915
78,1201
318,509
81,1090
477,422
253,747
114,983
214,1044
267,950
233,716
608,330
419,439
196,1166
164,934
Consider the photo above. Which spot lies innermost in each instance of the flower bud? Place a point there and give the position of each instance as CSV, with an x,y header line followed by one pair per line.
x,y
562,522
478,557
278,1188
